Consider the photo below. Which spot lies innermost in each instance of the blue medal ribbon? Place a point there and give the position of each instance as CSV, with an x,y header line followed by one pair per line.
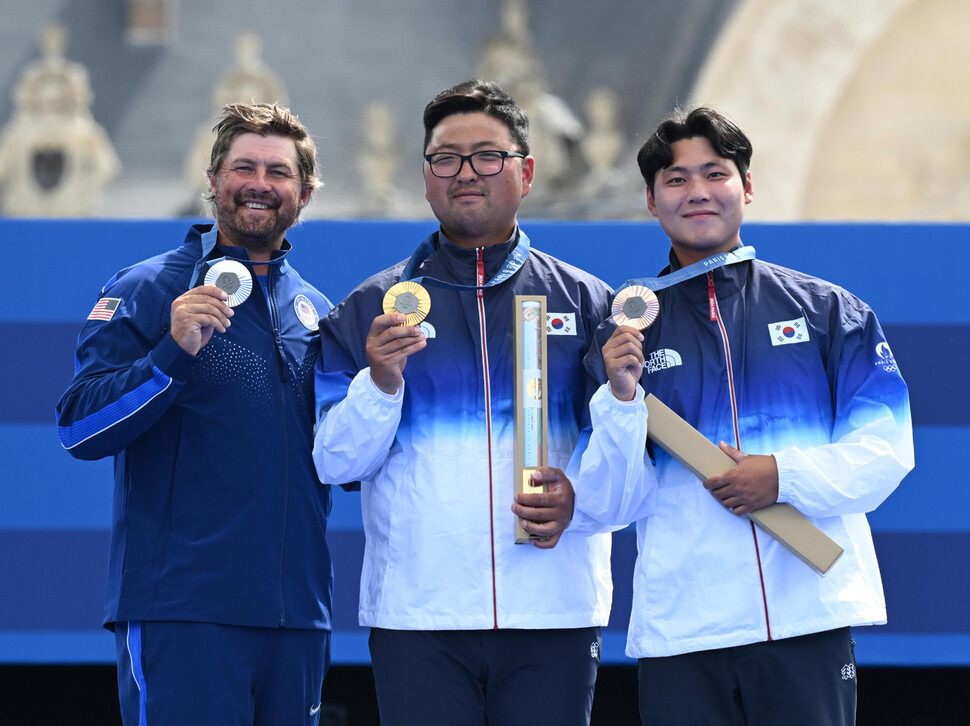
x,y
739,254
512,264
209,243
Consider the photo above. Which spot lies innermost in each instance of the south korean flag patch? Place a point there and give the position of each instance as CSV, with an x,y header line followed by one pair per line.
x,y
786,332
560,323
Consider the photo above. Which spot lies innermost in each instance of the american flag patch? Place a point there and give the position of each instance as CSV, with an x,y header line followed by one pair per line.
x,y
105,308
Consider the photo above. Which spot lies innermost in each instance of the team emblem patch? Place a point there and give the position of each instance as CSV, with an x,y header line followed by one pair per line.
x,y
885,358
105,308
306,313
428,329
560,323
786,332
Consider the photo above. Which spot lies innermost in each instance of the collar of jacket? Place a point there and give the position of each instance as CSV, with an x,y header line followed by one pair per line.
x,y
459,264
728,279
206,236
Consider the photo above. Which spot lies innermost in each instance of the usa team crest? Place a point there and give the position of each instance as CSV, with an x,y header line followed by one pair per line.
x,y
306,313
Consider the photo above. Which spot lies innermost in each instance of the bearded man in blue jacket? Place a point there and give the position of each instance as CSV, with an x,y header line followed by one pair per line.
x,y
195,371
794,378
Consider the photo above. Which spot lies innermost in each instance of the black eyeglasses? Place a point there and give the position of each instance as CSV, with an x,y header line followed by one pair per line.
x,y
484,163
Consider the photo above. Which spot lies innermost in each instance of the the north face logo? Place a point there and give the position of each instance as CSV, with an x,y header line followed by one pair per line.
x,y
661,359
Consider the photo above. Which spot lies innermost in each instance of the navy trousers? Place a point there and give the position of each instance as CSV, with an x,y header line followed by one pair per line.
x,y
804,681
479,677
183,674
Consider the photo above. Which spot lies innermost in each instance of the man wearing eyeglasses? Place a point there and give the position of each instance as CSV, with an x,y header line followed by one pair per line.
x,y
466,626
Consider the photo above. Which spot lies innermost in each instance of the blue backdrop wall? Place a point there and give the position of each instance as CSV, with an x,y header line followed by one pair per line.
x,y
55,511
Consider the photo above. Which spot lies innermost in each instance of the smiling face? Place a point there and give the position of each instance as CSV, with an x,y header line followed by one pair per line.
x,y
258,193
699,200
476,211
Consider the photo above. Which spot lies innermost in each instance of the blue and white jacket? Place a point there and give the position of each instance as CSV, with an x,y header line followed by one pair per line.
x,y
771,361
218,514
435,461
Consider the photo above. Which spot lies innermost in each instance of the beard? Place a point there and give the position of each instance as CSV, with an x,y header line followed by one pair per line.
x,y
255,230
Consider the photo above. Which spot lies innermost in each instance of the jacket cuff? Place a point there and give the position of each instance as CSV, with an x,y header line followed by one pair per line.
x,y
617,404
785,478
171,360
363,378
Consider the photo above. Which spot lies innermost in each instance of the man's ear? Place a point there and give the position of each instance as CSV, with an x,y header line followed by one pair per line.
x,y
651,204
528,174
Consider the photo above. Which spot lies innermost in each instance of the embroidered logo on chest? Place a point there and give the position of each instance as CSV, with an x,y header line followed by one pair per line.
x,y
662,359
428,329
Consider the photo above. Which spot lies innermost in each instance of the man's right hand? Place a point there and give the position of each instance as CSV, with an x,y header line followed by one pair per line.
x,y
389,343
623,358
198,313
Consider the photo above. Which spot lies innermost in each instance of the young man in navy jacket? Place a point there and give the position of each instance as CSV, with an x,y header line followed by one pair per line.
x,y
793,377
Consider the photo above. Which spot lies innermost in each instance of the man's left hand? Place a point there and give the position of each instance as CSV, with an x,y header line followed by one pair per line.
x,y
751,485
546,514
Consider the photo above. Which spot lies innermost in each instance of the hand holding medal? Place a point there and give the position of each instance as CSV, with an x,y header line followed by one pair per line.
x,y
633,307
390,344
198,313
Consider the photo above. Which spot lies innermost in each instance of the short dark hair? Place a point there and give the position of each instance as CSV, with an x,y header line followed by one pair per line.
x,y
727,140
478,96
265,119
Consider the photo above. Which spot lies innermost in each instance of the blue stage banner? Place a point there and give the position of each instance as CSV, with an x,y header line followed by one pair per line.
x,y
55,511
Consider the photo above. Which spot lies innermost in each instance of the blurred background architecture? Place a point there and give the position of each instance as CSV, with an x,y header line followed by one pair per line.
x,y
857,111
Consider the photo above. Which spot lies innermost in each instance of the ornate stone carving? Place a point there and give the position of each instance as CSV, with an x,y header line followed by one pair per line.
x,y
378,160
55,158
509,58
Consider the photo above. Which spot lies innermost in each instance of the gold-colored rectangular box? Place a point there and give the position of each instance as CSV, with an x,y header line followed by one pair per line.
x,y
531,413
703,459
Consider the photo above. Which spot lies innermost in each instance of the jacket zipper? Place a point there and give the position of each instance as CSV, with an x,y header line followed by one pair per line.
x,y
480,295
285,474
715,315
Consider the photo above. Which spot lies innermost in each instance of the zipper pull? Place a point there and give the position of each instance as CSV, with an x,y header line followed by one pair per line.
x,y
480,272
711,300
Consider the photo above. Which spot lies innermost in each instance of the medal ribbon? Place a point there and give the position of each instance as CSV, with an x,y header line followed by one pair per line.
x,y
741,254
512,264
209,244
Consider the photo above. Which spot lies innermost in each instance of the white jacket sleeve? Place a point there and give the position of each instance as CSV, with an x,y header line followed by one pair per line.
x,y
852,475
354,436
617,482
871,447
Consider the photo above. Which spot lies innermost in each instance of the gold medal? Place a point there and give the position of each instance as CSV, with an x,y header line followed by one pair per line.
x,y
636,306
409,299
